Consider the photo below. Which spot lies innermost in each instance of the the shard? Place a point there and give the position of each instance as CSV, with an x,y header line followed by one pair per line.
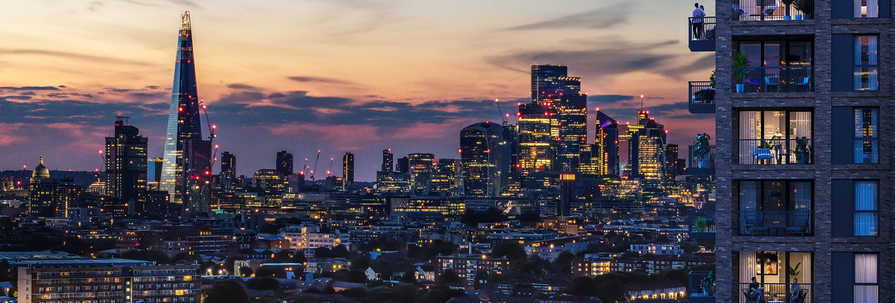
x,y
187,167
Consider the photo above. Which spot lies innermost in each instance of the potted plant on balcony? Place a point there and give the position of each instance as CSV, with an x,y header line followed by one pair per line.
x,y
802,151
740,70
701,150
806,7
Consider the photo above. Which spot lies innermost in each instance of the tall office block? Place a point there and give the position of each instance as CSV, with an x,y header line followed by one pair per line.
x,y
126,166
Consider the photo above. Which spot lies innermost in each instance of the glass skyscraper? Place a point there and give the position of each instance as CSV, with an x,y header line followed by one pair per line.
x,y
187,165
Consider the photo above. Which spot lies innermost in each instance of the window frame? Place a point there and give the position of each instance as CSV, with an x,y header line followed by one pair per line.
x,y
873,137
865,284
874,211
788,198
859,67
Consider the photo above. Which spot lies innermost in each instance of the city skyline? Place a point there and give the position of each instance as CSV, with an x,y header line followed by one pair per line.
x,y
317,110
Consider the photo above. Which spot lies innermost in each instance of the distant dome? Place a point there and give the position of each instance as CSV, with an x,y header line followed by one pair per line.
x,y
40,171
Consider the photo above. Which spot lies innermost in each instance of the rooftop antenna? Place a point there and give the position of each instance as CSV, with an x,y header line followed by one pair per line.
x,y
185,20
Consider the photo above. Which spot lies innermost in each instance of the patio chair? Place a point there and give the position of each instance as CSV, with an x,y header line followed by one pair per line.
x,y
798,221
762,155
753,223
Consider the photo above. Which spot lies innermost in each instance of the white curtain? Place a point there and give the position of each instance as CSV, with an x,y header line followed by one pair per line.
x,y
805,268
866,273
747,266
750,131
865,208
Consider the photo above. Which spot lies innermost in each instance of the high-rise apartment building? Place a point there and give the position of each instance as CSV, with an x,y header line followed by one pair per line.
x,y
347,171
126,166
186,172
801,95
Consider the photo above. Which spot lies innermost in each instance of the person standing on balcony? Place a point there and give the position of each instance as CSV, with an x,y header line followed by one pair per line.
x,y
698,25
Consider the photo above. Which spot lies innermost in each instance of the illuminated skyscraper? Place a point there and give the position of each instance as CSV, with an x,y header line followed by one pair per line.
x,y
228,165
485,152
126,166
605,148
347,171
154,173
444,178
571,110
187,168
647,148
537,134
284,163
421,167
545,80
388,160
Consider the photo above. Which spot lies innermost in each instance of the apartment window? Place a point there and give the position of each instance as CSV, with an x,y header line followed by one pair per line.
x,y
866,283
866,8
866,144
866,208
866,73
775,207
777,65
775,136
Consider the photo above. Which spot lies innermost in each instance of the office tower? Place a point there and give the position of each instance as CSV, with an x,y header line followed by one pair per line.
x,y
605,151
154,173
545,80
537,131
126,166
388,160
445,178
571,113
567,197
801,98
647,148
228,165
485,155
187,168
421,167
347,171
674,165
48,197
403,165
284,163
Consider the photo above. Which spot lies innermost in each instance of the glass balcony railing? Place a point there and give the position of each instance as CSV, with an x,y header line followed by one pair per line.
x,y
771,10
775,151
775,222
701,34
702,97
777,79
777,292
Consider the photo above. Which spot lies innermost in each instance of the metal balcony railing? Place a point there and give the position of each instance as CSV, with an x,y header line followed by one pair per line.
x,y
701,97
701,34
777,292
779,79
774,151
775,222
771,10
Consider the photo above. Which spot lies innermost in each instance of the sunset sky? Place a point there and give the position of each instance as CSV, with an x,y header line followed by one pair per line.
x,y
335,75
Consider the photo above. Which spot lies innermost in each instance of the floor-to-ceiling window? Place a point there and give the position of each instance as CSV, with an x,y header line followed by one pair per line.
x,y
775,137
775,276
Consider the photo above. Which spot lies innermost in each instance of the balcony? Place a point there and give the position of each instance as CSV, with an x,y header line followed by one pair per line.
x,y
777,79
778,292
775,151
700,287
772,10
702,97
701,34
775,222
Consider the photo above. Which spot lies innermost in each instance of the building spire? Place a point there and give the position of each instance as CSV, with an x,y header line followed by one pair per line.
x,y
185,20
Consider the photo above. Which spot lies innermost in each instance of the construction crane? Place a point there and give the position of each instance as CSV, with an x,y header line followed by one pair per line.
x,y
329,172
212,130
503,115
